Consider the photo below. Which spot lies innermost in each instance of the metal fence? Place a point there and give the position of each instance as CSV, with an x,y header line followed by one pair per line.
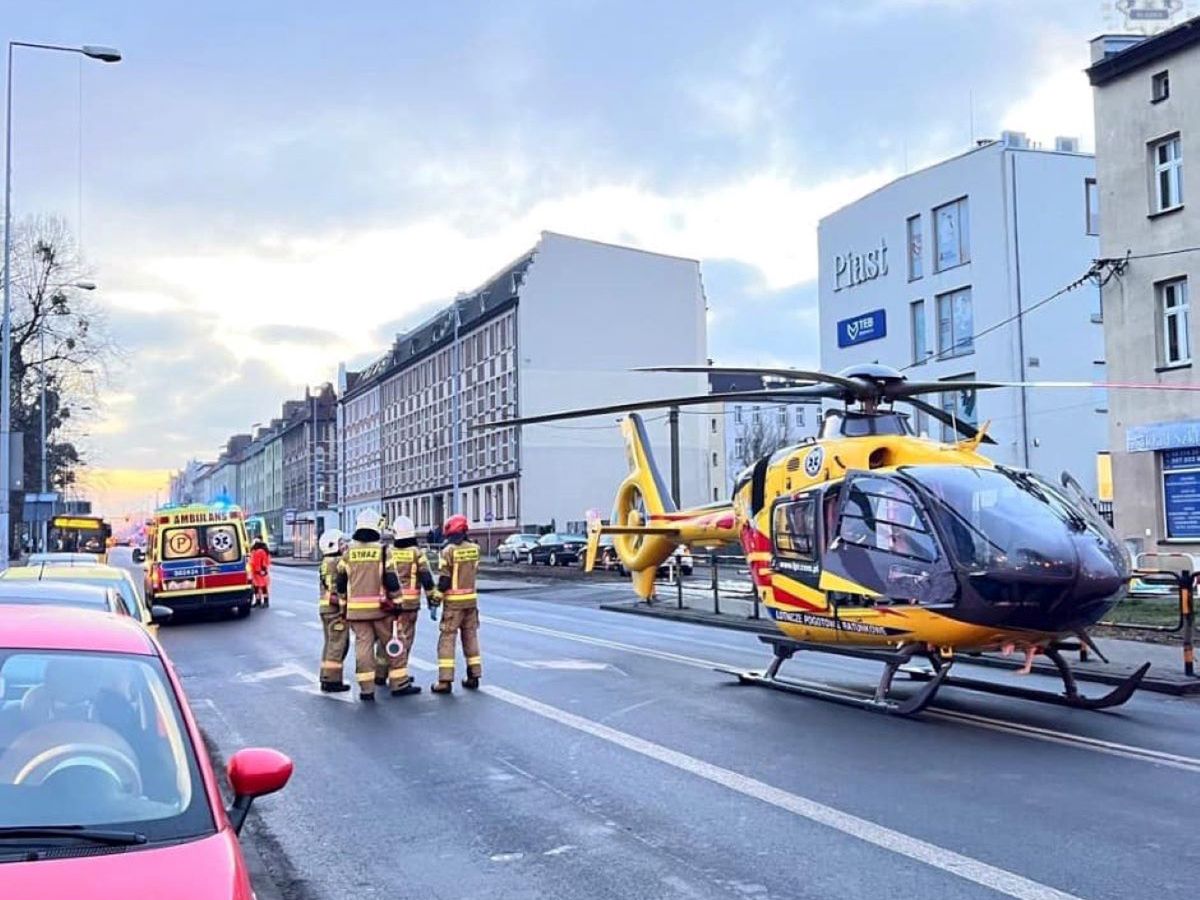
x,y
1161,599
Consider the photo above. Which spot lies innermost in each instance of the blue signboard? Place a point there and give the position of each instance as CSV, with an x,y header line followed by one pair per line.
x,y
1161,436
1181,501
1184,458
870,326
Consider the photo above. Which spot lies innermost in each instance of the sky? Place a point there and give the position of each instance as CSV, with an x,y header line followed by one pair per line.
x,y
263,190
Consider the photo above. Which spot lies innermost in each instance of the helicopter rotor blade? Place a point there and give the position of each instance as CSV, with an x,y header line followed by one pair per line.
x,y
966,429
798,375
907,389
778,395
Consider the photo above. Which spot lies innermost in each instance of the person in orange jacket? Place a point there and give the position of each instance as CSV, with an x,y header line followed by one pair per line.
x,y
260,573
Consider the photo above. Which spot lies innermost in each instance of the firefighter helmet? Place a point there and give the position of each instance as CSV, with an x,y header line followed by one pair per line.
x,y
456,524
368,520
404,529
329,541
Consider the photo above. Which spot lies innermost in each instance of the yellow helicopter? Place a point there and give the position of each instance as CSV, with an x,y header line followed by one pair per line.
x,y
874,543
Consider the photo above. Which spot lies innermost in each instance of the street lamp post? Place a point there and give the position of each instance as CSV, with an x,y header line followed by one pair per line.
x,y
454,413
104,54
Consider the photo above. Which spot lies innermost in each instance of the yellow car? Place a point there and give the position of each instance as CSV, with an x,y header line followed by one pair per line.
x,y
97,574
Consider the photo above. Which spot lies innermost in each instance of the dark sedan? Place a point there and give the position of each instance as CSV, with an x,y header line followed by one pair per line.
x,y
557,549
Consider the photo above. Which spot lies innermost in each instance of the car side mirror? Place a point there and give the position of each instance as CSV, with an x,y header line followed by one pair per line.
x,y
139,556
160,614
255,772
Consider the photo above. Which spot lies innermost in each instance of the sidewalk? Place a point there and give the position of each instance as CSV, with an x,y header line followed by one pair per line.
x,y
1125,657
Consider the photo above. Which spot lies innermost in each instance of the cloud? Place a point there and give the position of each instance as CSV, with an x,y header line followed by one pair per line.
x,y
1059,99
290,334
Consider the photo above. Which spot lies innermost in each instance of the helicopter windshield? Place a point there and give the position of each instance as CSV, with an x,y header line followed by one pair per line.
x,y
1004,518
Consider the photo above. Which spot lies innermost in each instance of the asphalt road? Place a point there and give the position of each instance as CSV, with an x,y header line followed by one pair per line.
x,y
604,758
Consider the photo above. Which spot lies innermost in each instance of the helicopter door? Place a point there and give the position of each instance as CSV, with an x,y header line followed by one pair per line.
x,y
884,543
794,537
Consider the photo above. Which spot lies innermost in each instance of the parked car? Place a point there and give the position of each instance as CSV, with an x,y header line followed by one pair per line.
x,y
121,802
20,592
65,559
606,555
515,548
557,549
105,576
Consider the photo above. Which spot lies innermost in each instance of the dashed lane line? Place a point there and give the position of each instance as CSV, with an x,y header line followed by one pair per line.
x,y
1048,735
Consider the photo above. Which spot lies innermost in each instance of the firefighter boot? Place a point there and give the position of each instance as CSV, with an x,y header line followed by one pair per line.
x,y
406,689
443,687
471,682
334,687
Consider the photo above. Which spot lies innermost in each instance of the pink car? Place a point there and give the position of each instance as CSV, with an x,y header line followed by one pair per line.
x,y
105,786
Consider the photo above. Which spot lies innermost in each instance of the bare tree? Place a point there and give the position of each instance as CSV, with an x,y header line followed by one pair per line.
x,y
764,433
58,329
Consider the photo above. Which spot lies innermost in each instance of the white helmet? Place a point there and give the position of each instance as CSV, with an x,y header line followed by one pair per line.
x,y
329,541
403,528
368,520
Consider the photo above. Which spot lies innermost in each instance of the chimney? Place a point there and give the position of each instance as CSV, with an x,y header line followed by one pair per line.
x,y
1015,139
1066,144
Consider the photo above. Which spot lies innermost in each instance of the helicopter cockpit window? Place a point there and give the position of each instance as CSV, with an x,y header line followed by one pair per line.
x,y
795,527
882,515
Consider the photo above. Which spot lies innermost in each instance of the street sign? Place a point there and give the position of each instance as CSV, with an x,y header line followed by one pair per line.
x,y
488,517
289,517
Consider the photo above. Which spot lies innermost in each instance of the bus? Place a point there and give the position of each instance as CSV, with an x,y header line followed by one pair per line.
x,y
256,529
79,534
198,557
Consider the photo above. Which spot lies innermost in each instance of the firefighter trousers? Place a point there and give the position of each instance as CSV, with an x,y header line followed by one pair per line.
x,y
457,621
369,633
333,651
406,629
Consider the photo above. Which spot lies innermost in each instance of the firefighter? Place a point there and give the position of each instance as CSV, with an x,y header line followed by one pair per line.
x,y
367,585
412,569
458,565
333,617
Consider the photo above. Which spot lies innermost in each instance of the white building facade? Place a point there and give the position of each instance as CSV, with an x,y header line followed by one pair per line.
x,y
915,274
1147,101
558,328
359,438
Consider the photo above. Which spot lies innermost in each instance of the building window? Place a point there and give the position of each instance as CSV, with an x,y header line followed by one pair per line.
x,y
714,426
956,324
951,234
916,318
714,456
1091,196
783,416
1173,308
799,416
1160,86
716,494
737,414
1167,158
960,405
914,248
1100,393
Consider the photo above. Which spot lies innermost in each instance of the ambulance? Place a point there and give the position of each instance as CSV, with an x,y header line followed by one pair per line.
x,y
198,557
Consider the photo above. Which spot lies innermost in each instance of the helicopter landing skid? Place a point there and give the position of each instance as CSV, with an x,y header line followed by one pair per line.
x,y
893,661
1069,697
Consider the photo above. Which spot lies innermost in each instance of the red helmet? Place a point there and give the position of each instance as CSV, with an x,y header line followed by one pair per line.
x,y
456,524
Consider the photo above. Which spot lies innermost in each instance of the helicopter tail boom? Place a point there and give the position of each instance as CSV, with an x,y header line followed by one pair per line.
x,y
646,525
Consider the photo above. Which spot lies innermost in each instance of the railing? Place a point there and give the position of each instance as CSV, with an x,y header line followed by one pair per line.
x,y
1176,608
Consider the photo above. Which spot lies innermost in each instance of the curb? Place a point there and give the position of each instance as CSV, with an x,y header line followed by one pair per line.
x,y
1179,685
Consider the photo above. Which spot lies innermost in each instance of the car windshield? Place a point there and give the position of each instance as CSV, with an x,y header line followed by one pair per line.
x,y
95,739
89,559
1003,517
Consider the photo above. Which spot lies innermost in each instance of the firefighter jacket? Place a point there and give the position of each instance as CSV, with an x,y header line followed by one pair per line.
x,y
366,581
458,566
328,584
412,570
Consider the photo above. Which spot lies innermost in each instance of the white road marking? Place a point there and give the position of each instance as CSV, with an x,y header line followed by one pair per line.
x,y
1079,742
565,665
315,625
289,668
559,851
286,613
968,868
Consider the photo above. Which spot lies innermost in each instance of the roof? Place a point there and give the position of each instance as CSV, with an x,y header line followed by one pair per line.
x,y
1143,53
54,572
62,628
